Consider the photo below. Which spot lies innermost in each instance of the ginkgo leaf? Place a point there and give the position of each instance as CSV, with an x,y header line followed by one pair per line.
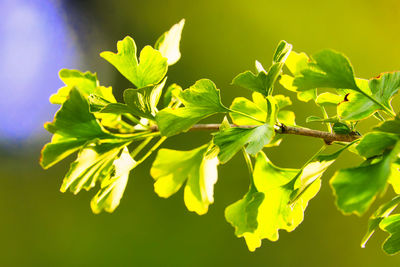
x,y
262,109
296,62
356,106
329,69
276,199
391,225
384,87
113,186
356,188
168,43
72,127
94,163
382,212
325,99
143,102
231,140
389,126
201,100
86,83
375,143
149,70
263,81
196,167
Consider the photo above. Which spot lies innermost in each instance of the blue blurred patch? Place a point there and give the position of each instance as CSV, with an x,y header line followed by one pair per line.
x,y
34,44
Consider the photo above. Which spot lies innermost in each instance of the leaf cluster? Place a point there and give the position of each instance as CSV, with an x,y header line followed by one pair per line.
x,y
112,138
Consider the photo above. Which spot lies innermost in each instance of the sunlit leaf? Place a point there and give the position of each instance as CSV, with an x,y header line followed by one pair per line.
x,y
296,62
264,81
272,202
329,69
196,167
86,83
382,212
94,163
149,70
201,100
168,43
72,127
325,99
113,186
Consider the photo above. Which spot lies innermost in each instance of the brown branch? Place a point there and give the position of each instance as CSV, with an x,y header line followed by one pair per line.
x,y
283,129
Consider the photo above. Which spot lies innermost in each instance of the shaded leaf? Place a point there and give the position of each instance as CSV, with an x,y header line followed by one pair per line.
x,y
375,143
391,225
231,140
389,126
356,188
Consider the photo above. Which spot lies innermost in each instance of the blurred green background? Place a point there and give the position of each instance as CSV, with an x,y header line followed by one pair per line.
x,y
40,226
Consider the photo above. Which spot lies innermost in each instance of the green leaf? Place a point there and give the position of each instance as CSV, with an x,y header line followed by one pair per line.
x,y
201,100
231,140
286,117
113,186
391,225
168,43
341,128
325,99
72,127
356,107
94,163
261,109
282,101
389,126
86,83
329,69
375,143
169,96
254,82
356,188
150,69
196,167
242,214
143,102
382,212
384,87
296,62
263,82
274,187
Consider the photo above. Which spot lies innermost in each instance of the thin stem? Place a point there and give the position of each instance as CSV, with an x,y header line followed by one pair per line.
x,y
325,115
151,150
248,163
139,148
